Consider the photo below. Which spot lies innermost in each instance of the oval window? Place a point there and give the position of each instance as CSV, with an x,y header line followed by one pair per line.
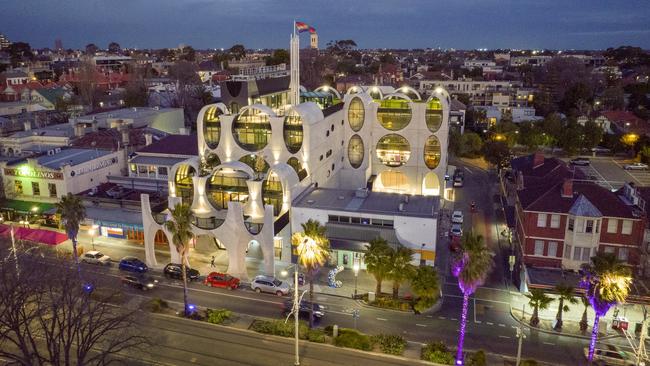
x,y
394,114
356,114
355,151
432,152
393,150
433,114
252,129
212,127
292,132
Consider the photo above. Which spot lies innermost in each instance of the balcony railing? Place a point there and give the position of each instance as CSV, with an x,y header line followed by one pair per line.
x,y
207,223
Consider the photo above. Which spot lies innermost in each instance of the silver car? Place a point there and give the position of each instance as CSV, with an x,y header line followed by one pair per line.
x,y
270,285
636,166
96,257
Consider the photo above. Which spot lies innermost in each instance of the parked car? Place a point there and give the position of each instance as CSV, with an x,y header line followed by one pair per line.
x,y
216,279
271,285
458,181
140,282
133,264
174,270
611,355
580,161
600,150
96,257
457,217
454,244
636,166
319,310
456,230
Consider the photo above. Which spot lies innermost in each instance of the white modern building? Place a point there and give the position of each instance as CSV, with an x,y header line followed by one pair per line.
x,y
258,166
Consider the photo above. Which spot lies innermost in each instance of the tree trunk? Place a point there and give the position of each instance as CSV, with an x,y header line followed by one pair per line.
x,y
395,289
558,317
594,336
461,334
534,320
378,288
75,255
584,322
184,270
311,302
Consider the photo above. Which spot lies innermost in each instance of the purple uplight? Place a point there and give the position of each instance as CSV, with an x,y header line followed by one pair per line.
x,y
461,334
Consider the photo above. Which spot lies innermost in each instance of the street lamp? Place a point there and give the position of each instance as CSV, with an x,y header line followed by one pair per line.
x,y
91,232
355,269
295,309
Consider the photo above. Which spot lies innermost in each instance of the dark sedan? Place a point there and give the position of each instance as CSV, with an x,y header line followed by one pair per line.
x,y
319,310
139,282
174,270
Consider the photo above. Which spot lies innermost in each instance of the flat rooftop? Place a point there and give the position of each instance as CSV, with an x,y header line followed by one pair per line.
x,y
70,157
379,203
127,113
59,130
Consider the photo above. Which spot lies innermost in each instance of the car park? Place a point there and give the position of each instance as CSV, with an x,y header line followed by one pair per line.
x,y
319,310
223,280
139,282
611,355
133,264
456,230
174,270
271,285
457,217
635,166
580,161
96,257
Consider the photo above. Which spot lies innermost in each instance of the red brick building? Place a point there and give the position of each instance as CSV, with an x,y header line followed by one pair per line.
x,y
562,220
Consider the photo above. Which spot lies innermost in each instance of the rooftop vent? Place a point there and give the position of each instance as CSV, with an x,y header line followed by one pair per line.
x,y
341,198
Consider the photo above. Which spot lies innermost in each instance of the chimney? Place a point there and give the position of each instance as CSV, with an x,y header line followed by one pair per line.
x,y
567,188
538,159
148,139
28,125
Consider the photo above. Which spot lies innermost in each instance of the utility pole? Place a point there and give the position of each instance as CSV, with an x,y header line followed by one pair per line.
x,y
521,336
641,352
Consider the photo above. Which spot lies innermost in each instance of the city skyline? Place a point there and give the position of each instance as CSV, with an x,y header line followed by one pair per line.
x,y
467,24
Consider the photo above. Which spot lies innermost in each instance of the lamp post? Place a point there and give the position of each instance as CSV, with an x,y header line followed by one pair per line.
x,y
91,232
295,310
520,336
355,269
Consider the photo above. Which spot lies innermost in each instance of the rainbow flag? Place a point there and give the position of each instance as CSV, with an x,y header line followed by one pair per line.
x,y
302,27
312,30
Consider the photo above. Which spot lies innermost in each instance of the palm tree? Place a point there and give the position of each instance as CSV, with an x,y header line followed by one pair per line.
x,y
313,249
402,269
179,226
538,299
72,212
564,293
425,285
378,260
471,268
584,324
607,283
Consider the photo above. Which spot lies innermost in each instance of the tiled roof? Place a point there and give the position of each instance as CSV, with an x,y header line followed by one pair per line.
x,y
174,145
582,207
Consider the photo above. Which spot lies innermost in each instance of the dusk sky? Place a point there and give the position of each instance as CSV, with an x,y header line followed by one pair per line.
x,y
462,24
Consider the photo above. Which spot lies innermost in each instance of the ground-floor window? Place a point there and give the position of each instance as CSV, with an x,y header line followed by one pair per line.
x,y
36,189
51,187
18,186
277,247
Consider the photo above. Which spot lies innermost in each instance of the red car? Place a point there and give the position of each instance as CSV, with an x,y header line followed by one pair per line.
x,y
216,279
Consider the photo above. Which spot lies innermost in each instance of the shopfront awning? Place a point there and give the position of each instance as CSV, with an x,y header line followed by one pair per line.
x,y
26,206
345,244
49,237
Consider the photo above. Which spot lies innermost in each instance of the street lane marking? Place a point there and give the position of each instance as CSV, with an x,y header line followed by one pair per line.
x,y
420,325
429,316
489,323
502,325
454,319
502,336
382,319
549,343
478,321
442,317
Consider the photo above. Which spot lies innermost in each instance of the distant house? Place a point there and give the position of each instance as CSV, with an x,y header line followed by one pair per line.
x,y
207,69
49,97
626,122
14,77
601,121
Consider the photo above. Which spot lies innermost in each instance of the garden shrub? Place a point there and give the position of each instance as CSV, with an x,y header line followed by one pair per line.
x,y
528,363
316,335
218,316
350,338
157,305
390,343
437,352
477,359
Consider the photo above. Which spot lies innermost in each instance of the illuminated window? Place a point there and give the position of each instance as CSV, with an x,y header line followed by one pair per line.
x,y
252,129
272,193
277,247
393,150
297,167
432,152
394,114
36,189
51,187
18,186
392,181
355,151
225,186
356,114
212,127
251,161
433,115
184,184
292,132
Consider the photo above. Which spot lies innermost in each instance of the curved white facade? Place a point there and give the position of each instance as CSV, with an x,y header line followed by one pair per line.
x,y
303,148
